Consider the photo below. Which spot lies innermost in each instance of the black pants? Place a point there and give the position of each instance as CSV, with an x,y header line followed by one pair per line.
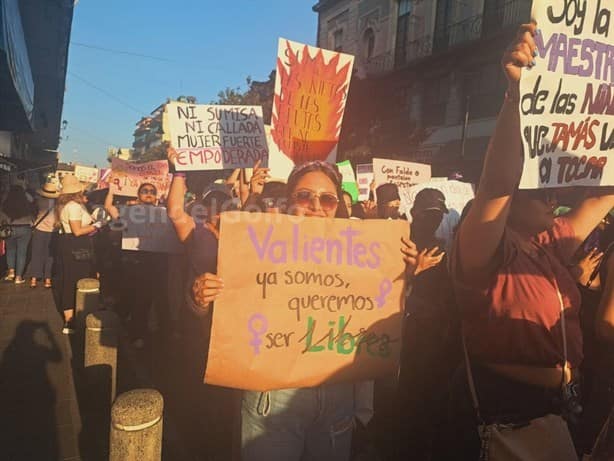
x,y
501,400
72,270
144,283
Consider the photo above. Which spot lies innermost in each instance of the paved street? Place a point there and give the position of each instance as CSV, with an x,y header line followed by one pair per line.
x,y
38,405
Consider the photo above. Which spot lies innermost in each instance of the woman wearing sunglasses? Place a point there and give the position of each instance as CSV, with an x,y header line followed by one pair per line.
x,y
143,273
519,303
308,423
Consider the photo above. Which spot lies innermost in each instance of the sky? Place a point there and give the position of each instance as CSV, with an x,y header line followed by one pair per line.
x,y
194,47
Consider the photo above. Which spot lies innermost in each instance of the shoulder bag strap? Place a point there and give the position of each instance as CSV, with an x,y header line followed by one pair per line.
x,y
471,382
42,218
563,333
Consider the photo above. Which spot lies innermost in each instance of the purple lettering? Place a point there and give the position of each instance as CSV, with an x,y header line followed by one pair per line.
x,y
317,245
282,254
295,242
350,234
376,261
359,251
338,247
260,250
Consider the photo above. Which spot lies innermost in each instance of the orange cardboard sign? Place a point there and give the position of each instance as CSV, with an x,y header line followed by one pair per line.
x,y
306,301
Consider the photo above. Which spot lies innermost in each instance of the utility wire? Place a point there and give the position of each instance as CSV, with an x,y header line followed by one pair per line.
x,y
108,94
127,53
94,137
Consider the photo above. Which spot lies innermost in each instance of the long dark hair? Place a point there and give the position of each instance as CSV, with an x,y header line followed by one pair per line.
x,y
331,171
16,205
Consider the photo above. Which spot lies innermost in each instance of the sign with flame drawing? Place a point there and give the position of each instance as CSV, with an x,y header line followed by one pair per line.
x,y
310,94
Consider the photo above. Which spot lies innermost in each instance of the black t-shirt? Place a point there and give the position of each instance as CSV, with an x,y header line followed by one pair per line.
x,y
202,258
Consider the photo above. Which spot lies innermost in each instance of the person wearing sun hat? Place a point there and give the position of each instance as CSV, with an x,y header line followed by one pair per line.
x,y
43,233
76,249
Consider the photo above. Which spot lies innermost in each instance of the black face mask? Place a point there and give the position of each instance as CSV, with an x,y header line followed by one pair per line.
x,y
390,212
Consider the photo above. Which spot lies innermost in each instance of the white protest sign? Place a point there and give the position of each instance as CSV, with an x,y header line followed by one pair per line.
x,y
403,174
86,173
567,98
364,178
210,137
148,228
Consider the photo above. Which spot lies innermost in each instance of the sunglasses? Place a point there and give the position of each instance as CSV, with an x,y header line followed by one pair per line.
x,y
304,198
147,191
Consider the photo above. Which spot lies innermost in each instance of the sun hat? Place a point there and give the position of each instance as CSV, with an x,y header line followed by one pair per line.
x,y
71,185
49,190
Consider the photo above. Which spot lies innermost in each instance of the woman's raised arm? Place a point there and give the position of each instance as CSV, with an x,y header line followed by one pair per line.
x,y
482,230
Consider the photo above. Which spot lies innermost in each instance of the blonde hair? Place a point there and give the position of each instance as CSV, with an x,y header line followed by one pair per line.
x,y
63,200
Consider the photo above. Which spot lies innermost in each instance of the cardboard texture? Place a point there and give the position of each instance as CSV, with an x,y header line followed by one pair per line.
x,y
306,301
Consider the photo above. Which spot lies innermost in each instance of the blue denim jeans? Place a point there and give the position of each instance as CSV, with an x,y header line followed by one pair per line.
x,y
17,249
308,424
41,260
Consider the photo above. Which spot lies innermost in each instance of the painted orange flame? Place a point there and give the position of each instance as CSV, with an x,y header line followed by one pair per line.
x,y
307,114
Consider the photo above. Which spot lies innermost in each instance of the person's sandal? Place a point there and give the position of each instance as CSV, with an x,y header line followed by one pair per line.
x,y
19,281
48,283
69,327
10,276
32,282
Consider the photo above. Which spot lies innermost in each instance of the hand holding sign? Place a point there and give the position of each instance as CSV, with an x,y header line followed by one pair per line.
x,y
521,53
206,289
428,259
410,255
171,154
258,179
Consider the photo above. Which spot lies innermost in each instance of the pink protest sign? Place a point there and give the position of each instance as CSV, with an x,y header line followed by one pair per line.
x,y
126,177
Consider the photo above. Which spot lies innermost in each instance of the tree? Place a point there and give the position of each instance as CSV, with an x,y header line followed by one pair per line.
x,y
257,94
154,153
231,97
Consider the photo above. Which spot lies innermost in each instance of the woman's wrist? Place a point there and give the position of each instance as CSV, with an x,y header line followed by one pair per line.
x,y
512,94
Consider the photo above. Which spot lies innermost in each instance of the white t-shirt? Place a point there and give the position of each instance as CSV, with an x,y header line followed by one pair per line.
x,y
74,211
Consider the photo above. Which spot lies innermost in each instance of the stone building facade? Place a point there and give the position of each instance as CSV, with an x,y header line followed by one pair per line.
x,y
427,84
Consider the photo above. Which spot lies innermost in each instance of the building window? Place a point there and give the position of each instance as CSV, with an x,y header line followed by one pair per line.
x,y
338,40
435,97
404,7
368,43
403,31
443,20
484,89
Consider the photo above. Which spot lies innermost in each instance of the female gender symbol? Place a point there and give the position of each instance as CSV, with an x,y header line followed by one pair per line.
x,y
384,289
257,330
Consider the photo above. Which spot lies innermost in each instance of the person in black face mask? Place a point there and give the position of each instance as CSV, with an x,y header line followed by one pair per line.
x,y
427,214
430,328
388,201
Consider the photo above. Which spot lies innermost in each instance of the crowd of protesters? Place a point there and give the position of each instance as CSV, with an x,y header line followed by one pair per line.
x,y
515,324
